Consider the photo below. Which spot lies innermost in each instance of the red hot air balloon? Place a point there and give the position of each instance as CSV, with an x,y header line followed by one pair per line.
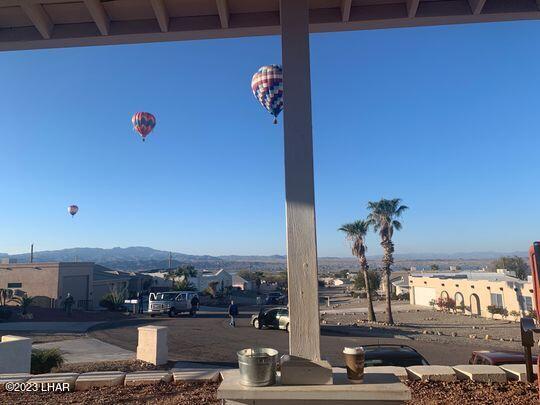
x,y
73,209
143,123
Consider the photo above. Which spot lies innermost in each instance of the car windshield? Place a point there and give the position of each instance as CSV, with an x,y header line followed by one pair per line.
x,y
165,296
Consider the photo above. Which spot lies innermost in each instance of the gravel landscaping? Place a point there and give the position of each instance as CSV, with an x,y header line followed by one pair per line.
x,y
468,392
177,393
431,325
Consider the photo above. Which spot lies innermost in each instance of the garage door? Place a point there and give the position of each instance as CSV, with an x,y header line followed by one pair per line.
x,y
77,286
422,295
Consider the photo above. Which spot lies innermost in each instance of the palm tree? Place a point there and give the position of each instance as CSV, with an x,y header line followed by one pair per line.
x,y
383,216
356,232
6,295
24,302
180,277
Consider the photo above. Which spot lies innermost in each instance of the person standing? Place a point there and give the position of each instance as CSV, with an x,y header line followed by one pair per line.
x,y
194,305
233,313
68,303
140,302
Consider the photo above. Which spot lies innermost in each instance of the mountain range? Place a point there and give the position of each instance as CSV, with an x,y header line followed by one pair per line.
x,y
144,258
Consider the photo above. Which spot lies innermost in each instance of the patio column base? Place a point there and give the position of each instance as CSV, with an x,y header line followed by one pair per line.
x,y
376,389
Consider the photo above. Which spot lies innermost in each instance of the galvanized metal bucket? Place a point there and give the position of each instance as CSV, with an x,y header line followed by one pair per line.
x,y
257,366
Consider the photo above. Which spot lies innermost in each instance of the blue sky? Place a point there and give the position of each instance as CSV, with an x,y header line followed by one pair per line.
x,y
444,117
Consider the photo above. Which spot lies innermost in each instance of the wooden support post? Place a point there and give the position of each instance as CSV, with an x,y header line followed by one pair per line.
x,y
161,14
98,13
304,336
39,18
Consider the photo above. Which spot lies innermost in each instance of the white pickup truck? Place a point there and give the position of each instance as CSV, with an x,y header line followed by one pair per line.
x,y
171,303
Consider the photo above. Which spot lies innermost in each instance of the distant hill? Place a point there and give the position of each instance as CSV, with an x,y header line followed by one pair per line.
x,y
139,258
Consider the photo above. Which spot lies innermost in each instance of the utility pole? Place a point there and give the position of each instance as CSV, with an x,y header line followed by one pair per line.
x,y
32,253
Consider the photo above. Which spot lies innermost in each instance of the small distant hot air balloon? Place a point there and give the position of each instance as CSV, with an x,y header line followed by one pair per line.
x,y
267,86
143,123
73,209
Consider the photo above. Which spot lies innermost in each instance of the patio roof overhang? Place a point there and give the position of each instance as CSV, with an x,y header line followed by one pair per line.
x,y
34,24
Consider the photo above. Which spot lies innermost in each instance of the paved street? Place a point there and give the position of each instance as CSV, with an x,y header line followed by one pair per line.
x,y
209,338
44,327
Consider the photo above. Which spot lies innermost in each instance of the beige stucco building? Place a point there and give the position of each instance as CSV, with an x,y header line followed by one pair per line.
x,y
475,289
87,282
49,283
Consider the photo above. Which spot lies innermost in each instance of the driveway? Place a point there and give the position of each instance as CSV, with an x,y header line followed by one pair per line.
x,y
87,350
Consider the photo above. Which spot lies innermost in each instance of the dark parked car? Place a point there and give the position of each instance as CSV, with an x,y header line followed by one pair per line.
x,y
275,298
275,318
498,358
393,355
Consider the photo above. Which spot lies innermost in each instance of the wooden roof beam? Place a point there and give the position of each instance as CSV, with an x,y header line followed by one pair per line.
x,y
412,8
39,18
99,15
223,11
161,14
346,10
477,6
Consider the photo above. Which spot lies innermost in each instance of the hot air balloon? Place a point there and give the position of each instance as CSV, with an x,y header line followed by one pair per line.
x,y
267,86
73,209
143,123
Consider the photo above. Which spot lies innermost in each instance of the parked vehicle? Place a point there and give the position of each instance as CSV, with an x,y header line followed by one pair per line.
x,y
275,298
393,355
275,318
171,303
498,358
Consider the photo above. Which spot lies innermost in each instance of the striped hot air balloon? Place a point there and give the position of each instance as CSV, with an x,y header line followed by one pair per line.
x,y
143,123
73,209
267,86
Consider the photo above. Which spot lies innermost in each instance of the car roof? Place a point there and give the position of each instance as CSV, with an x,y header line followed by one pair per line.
x,y
389,348
500,356
277,308
391,351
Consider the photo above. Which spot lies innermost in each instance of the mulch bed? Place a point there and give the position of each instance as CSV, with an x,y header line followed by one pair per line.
x,y
176,393
127,366
469,392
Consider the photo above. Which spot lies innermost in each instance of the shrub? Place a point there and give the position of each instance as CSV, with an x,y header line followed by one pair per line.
x,y
404,296
5,314
495,310
44,360
532,314
432,303
515,314
112,302
446,304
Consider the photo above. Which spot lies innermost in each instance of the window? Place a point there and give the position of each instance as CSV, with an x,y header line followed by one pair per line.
x,y
497,300
14,285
